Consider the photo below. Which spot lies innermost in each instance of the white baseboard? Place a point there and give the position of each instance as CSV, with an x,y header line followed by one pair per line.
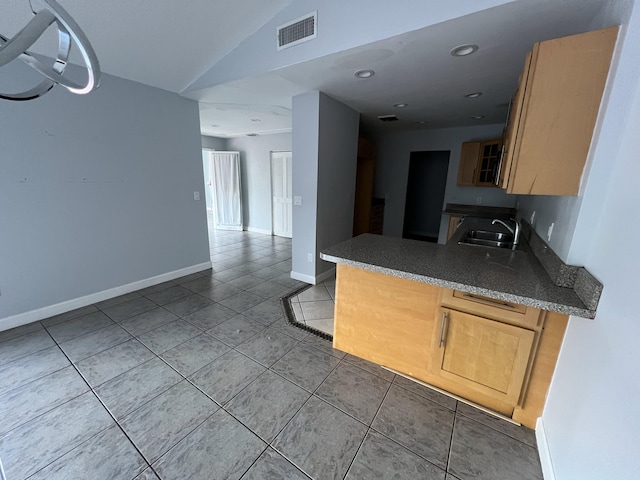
x,y
66,306
544,452
258,230
237,228
311,279
303,278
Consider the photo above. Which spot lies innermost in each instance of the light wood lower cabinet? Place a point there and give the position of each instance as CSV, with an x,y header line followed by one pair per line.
x,y
454,223
483,355
384,319
496,354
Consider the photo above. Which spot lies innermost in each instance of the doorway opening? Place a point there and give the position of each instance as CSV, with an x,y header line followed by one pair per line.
x,y
281,194
426,186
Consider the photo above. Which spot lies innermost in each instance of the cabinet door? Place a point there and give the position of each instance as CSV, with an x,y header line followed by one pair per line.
x,y
468,162
488,160
513,122
454,222
483,355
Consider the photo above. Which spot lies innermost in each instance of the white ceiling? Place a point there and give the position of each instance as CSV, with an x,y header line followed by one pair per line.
x,y
162,43
170,44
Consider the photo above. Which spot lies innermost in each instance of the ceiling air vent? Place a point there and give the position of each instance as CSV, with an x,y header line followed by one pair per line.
x,y
388,118
297,31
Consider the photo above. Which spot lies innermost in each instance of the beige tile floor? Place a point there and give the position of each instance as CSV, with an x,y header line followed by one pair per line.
x,y
314,307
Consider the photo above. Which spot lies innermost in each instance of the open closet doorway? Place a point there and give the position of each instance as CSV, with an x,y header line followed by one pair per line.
x,y
281,194
426,186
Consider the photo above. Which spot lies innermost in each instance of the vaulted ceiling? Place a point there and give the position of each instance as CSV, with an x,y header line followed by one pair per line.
x,y
171,45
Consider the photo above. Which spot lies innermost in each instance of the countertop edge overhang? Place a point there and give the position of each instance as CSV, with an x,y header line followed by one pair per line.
x,y
513,276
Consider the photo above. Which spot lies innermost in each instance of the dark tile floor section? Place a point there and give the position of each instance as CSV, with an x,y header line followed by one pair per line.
x,y
202,377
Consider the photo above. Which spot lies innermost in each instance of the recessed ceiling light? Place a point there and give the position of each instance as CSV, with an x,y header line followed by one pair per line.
x,y
400,105
214,125
256,120
477,117
473,95
464,50
252,134
364,73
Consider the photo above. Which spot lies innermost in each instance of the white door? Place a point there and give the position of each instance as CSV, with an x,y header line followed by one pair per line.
x,y
281,188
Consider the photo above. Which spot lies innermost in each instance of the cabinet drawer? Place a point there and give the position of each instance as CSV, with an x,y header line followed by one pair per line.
x,y
492,308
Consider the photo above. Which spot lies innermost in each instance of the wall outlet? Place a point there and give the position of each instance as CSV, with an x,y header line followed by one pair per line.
x,y
549,232
297,200
310,257
196,195
479,200
533,218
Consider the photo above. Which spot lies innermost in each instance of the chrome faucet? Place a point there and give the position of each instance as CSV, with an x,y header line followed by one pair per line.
x,y
515,231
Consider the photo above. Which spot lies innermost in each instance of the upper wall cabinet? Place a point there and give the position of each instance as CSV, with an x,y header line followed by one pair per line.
x,y
479,163
554,112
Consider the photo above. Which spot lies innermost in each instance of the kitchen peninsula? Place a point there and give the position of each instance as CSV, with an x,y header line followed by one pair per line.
x,y
484,324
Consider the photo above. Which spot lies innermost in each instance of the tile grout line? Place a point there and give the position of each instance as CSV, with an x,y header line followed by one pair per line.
x,y
369,427
108,412
455,420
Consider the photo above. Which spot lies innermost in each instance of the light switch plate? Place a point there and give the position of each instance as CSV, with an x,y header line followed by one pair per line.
x,y
297,200
196,195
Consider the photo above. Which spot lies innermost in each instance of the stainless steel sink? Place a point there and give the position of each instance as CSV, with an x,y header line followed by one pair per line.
x,y
487,239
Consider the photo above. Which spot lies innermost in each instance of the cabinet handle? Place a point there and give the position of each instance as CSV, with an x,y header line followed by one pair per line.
x,y
487,301
444,321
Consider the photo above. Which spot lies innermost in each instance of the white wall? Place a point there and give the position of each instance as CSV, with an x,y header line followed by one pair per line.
x,y
392,168
591,417
255,160
325,146
96,192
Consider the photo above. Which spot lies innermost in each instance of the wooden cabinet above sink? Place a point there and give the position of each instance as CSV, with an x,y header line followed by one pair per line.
x,y
554,112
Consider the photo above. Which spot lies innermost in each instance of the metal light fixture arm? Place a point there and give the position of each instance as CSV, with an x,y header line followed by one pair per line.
x,y
50,12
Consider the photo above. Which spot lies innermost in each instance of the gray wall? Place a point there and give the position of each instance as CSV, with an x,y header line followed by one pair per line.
x,y
306,127
216,143
337,164
96,192
325,144
255,159
392,168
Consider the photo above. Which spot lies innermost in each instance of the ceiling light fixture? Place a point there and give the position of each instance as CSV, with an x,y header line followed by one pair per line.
x,y
400,105
473,95
11,48
477,117
464,50
364,73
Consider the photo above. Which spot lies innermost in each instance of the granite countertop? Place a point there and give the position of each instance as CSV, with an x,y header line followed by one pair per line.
x,y
485,211
514,276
